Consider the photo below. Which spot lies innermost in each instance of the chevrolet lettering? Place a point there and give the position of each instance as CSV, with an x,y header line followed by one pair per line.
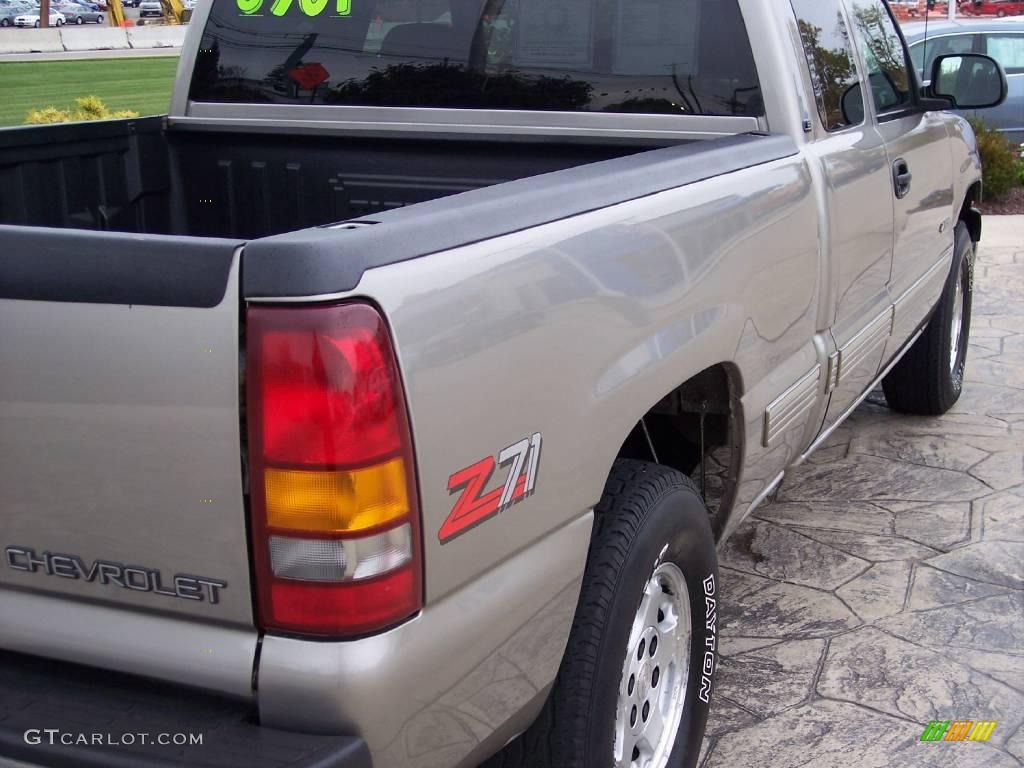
x,y
105,572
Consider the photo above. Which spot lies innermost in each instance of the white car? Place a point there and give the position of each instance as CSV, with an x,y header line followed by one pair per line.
x,y
32,19
150,8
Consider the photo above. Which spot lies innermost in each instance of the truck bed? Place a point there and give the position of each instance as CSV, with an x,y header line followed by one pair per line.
x,y
121,400
137,176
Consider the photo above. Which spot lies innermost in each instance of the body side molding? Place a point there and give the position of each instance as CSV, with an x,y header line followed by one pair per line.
x,y
791,406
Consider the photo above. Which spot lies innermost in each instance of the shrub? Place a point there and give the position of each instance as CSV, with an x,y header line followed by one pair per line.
x,y
89,108
47,115
1001,165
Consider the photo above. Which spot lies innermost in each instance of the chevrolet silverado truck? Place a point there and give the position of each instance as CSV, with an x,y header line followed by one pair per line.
x,y
385,401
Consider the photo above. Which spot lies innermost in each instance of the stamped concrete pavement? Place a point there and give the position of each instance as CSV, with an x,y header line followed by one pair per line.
x,y
884,588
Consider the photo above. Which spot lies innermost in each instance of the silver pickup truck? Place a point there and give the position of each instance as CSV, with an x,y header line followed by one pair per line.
x,y
385,401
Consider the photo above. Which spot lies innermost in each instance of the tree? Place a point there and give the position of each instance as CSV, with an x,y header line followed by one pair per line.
x,y
883,48
832,70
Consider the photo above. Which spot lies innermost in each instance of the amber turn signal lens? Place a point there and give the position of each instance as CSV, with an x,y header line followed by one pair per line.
x,y
346,501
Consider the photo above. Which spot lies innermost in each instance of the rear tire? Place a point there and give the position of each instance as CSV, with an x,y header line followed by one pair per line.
x,y
79,20
640,658
99,19
930,377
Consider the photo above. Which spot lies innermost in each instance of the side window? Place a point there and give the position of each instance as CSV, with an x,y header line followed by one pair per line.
x,y
826,42
1008,50
884,55
939,46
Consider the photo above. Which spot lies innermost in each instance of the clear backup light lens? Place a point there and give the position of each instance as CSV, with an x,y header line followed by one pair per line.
x,y
340,559
306,560
380,554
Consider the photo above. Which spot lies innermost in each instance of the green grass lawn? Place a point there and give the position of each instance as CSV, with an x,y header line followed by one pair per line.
x,y
140,84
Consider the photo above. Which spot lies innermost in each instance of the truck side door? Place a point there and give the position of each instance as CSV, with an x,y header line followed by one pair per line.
x,y
918,150
858,204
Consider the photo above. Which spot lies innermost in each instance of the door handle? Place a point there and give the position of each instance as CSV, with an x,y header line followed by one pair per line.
x,y
901,178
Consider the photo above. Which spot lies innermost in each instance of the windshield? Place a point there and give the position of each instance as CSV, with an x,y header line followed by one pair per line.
x,y
647,56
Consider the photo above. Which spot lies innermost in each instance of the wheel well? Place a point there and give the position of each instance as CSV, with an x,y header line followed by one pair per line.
x,y
696,429
970,215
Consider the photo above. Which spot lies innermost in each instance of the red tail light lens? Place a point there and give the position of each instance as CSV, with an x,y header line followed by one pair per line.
x,y
335,519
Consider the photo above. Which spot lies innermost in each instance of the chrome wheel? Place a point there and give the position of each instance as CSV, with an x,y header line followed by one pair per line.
x,y
655,673
956,327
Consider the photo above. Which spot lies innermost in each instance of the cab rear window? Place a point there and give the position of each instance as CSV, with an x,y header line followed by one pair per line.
x,y
643,56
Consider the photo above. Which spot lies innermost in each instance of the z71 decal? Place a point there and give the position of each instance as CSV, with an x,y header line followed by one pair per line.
x,y
474,505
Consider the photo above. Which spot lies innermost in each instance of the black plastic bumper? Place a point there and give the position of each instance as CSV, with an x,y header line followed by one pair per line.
x,y
63,715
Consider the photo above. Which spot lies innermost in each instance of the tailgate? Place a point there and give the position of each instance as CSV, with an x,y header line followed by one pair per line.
x,y
120,447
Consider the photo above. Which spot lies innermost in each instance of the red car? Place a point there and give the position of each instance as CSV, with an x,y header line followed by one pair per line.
x,y
993,8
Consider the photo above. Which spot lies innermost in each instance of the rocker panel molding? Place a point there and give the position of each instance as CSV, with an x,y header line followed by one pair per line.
x,y
791,406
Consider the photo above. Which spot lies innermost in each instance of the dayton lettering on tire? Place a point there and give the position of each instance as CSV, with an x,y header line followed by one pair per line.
x,y
710,615
475,505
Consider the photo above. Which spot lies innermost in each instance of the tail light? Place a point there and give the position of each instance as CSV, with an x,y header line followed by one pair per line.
x,y
335,519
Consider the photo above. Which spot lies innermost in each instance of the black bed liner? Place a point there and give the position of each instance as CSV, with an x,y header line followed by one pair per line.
x,y
167,209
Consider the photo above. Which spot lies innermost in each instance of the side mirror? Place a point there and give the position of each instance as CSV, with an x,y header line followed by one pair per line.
x,y
853,105
883,90
968,80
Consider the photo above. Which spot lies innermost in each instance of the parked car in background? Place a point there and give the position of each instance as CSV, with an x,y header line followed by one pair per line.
x,y
31,19
1003,40
998,8
10,11
79,14
150,8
